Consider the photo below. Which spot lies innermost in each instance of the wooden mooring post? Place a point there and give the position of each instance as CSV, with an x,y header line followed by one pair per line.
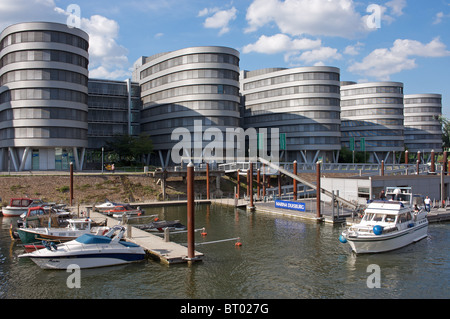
x,y
190,211
71,183
318,190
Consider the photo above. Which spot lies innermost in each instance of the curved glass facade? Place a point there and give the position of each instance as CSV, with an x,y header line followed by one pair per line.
x,y
304,103
43,95
193,84
423,131
373,112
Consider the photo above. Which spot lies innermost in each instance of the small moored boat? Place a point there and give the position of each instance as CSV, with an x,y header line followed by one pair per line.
x,y
388,224
160,225
75,228
89,251
18,206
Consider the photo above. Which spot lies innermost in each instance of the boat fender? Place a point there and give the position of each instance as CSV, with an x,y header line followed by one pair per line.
x,y
411,225
342,239
377,230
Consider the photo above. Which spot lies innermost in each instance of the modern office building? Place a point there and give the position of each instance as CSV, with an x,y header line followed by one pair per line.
x,y
43,96
52,114
114,109
372,119
198,84
423,130
303,103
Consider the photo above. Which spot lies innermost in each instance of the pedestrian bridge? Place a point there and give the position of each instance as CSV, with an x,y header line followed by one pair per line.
x,y
361,169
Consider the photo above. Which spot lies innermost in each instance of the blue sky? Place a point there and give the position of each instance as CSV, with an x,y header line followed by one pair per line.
x,y
398,40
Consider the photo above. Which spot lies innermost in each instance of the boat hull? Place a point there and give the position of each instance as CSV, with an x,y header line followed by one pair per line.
x,y
388,242
13,211
87,260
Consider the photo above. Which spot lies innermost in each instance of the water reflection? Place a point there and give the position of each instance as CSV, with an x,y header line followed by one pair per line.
x,y
279,258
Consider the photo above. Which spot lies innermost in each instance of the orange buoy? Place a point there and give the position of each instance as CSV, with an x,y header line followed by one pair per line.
x,y
156,219
238,244
204,233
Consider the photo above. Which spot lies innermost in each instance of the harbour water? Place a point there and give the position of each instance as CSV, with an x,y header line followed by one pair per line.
x,y
280,258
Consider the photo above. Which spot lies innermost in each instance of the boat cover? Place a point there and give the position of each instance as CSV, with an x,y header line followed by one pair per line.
x,y
93,239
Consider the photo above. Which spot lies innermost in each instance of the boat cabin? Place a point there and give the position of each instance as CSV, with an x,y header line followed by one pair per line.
x,y
23,202
80,224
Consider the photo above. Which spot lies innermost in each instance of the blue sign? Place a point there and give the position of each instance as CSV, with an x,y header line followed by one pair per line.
x,y
290,205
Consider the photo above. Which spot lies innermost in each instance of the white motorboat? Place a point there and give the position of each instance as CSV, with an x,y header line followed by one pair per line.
x,y
89,251
18,206
388,224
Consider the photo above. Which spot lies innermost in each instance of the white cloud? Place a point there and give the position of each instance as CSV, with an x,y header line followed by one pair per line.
x,y
313,17
353,49
439,17
219,20
318,56
382,63
280,43
396,6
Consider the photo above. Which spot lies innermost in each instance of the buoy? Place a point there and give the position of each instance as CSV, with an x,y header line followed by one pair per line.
x,y
377,230
238,244
342,239
156,219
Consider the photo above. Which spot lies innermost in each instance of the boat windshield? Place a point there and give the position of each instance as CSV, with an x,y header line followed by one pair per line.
x,y
386,218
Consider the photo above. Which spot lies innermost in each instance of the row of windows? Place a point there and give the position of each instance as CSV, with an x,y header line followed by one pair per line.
x,y
383,122
44,55
43,113
423,137
421,119
423,101
409,110
44,36
189,121
324,76
43,94
255,119
372,133
263,108
116,89
43,74
294,141
375,100
108,116
373,90
372,112
192,89
191,58
293,90
191,105
314,140
370,144
416,128
102,130
43,132
310,128
191,74
108,102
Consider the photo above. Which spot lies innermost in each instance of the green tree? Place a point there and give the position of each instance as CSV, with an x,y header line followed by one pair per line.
x,y
445,131
130,149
